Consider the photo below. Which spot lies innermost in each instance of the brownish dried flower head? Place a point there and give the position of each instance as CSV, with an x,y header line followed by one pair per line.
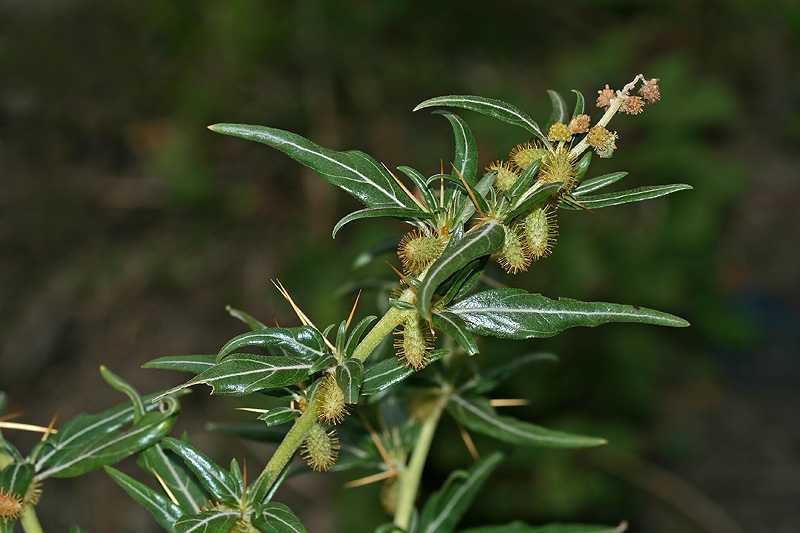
x,y
649,91
602,140
632,105
606,95
580,124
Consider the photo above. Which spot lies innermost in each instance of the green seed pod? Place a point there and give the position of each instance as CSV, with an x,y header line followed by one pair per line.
x,y
332,407
413,346
321,447
514,256
540,231
418,250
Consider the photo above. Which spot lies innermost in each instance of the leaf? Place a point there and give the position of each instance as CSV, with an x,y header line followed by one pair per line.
x,y
176,476
579,105
598,182
163,510
517,314
251,322
354,171
520,527
559,113
321,363
17,478
356,334
481,241
242,373
539,195
631,195
349,375
477,414
466,157
386,373
216,480
279,415
582,166
403,213
304,342
207,522
487,106
108,448
278,518
197,364
420,182
524,181
456,328
445,507
124,387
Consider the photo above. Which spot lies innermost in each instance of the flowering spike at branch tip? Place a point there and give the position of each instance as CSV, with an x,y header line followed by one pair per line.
x,y
405,190
353,311
402,277
164,486
469,191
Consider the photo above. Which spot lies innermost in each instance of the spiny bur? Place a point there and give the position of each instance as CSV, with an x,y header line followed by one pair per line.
x,y
418,250
540,231
332,408
514,256
321,447
414,344
506,177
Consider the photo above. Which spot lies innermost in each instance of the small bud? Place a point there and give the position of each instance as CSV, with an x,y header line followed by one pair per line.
x,y
321,448
580,124
602,141
605,96
332,408
650,91
632,105
524,155
506,177
413,346
514,256
540,231
559,132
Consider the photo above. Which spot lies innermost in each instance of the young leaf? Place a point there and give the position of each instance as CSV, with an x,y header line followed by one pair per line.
x,y
278,518
216,480
279,415
487,106
251,322
559,113
124,387
17,478
403,213
523,204
386,373
304,342
207,522
446,506
354,171
242,373
624,197
477,414
466,159
481,241
110,447
321,363
420,182
197,364
349,375
163,510
578,103
176,476
517,314
355,336
456,328
598,182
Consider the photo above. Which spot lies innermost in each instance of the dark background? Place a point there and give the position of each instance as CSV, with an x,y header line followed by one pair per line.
x,y
126,227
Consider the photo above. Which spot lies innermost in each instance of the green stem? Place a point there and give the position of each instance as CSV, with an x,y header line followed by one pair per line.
x,y
384,327
29,520
411,477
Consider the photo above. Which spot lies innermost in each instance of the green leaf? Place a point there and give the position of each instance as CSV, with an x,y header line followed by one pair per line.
x,y
176,475
9,450
525,203
583,166
163,510
355,336
216,480
631,195
520,527
517,314
456,328
124,387
447,506
477,414
579,105
354,171
242,373
304,342
560,113
17,478
349,375
466,158
479,191
403,213
420,182
386,373
207,522
487,106
524,181
321,363
251,322
279,415
197,364
278,518
110,448
598,182
480,241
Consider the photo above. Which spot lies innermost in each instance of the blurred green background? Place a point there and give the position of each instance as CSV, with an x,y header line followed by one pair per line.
x,y
126,227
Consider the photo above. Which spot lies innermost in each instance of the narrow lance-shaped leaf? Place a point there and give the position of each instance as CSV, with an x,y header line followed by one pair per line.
x,y
278,518
124,387
349,375
251,322
600,181
386,373
477,414
304,342
624,197
175,475
578,103
207,522
517,314
446,506
456,328
480,241
279,415
559,113
354,171
216,480
241,373
403,213
466,158
163,510
196,364
488,106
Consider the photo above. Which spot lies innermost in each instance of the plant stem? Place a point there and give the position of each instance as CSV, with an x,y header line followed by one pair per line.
x,y
411,477
29,520
384,327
